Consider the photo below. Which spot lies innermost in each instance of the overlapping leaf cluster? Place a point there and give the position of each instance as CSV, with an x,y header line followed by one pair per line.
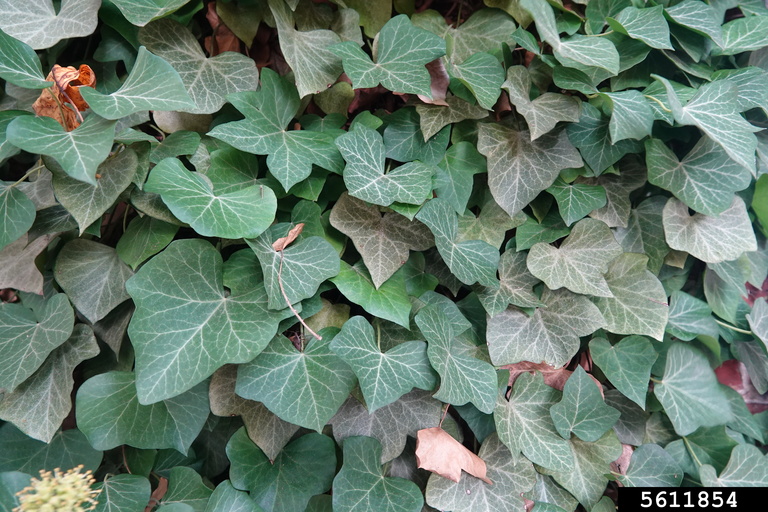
x,y
554,229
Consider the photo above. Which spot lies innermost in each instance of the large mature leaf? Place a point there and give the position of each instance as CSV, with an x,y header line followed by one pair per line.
x,y
689,391
581,260
207,80
17,213
123,493
79,152
384,376
524,423
516,283
67,449
402,52
19,64
627,364
303,469
639,303
365,177
705,179
652,466
41,25
483,76
109,414
748,467
690,317
87,202
586,52
699,17
511,476
743,35
631,115
518,168
187,325
152,85
39,404
389,301
17,264
550,334
647,25
463,378
141,12
711,239
582,410
268,112
471,260
391,424
305,388
361,485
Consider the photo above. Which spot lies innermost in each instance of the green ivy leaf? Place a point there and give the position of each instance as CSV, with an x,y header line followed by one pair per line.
x,y
743,35
518,168
145,237
617,210
39,404
314,383
705,179
184,313
576,200
17,212
524,423
511,476
758,320
365,177
185,485
17,264
647,25
389,301
490,225
471,260
591,135
41,25
551,334
152,85
748,467
123,493
226,498
689,391
690,317
109,414
582,410
652,466
544,16
531,232
483,76
699,17
433,118
19,64
384,376
67,449
361,485
580,262
207,80
303,469
404,143
79,152
516,283
402,52
383,241
580,51
141,12
631,115
627,364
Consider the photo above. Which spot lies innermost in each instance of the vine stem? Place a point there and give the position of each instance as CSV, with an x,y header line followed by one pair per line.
x,y
288,301
445,413
733,328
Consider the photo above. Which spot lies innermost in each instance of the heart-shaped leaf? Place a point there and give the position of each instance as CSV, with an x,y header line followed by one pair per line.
x,y
627,364
19,64
41,25
582,409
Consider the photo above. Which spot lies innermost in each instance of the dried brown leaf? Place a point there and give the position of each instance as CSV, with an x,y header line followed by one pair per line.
x,y
439,85
621,464
438,452
57,102
223,39
281,243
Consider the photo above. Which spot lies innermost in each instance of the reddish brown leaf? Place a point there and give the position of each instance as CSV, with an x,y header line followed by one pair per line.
x,y
553,377
158,494
440,81
438,452
223,39
281,243
734,374
621,464
58,101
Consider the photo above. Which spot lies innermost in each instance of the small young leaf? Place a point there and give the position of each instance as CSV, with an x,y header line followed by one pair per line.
x,y
17,212
582,409
627,364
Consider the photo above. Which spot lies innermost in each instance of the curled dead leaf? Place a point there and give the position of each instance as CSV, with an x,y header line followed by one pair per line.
x,y
621,464
281,243
223,39
439,83
438,452
58,101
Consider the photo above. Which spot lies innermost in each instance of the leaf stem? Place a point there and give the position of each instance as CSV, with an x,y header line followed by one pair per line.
x,y
733,328
657,100
288,301
445,412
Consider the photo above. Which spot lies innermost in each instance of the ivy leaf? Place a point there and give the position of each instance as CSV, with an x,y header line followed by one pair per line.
x,y
384,376
576,200
141,12
516,283
79,152
690,317
123,493
585,51
689,391
87,203
758,320
710,239
471,260
67,449
511,476
185,485
742,35
544,16
268,112
404,143
313,383
518,168
184,313
39,404
591,135
631,115
402,52
433,118
382,241
226,497
580,261
145,237
207,80
390,424
17,212
748,467
647,25
152,85
551,334
109,414
17,264
627,364
361,484
705,179
582,410
93,276
483,76
364,174
303,469
639,303
389,301
41,25
714,110
524,424
543,112
463,378
698,16
652,466
19,64
300,268
617,210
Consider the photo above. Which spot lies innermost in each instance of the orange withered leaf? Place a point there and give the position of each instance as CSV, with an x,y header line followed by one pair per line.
x,y
438,452
58,101
281,243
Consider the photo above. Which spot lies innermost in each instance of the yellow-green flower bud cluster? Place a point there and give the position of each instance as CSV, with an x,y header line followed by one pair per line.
x,y
59,491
